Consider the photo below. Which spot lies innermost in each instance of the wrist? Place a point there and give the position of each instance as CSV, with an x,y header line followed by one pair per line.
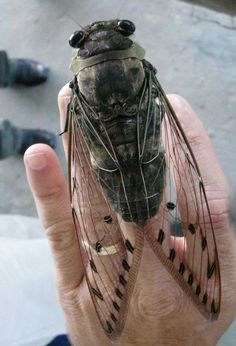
x,y
177,340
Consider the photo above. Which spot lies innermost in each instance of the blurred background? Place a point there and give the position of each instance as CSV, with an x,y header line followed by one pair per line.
x,y
191,43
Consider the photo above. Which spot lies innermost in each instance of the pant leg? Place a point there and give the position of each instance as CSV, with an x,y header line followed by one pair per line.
x,y
30,314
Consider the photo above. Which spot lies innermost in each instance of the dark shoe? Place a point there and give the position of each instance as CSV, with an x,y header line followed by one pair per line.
x,y
15,141
21,71
33,136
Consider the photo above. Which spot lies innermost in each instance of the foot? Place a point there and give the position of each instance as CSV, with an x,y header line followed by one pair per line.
x,y
21,71
15,140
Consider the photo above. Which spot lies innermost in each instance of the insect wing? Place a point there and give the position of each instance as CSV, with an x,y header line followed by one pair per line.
x,y
110,260
181,233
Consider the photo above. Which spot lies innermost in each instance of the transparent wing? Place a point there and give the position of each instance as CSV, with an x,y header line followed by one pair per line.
x,y
111,248
181,233
155,185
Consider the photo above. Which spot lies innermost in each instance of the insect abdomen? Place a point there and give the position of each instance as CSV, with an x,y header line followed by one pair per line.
x,y
135,193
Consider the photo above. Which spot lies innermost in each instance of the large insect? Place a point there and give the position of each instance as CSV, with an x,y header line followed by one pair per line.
x,y
133,176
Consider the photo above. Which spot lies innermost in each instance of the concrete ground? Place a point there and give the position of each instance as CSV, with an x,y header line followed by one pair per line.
x,y
192,47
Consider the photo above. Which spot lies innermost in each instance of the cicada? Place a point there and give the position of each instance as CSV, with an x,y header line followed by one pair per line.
x,y
133,176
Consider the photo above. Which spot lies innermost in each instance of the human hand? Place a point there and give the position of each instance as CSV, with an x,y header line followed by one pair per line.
x,y
160,313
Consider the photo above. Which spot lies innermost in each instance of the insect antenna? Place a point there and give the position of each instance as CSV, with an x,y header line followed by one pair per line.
x,y
121,8
75,21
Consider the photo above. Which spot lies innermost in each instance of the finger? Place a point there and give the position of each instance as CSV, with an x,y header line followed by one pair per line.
x,y
64,98
214,181
50,192
212,174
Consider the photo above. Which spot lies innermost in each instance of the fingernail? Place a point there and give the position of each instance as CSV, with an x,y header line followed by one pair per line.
x,y
36,162
65,101
179,103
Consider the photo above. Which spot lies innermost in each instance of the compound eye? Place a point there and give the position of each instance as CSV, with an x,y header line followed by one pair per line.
x,y
126,27
76,39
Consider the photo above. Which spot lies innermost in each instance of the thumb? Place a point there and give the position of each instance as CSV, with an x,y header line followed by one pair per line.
x,y
51,196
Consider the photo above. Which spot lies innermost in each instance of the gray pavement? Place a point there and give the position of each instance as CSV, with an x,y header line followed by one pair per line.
x,y
192,47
